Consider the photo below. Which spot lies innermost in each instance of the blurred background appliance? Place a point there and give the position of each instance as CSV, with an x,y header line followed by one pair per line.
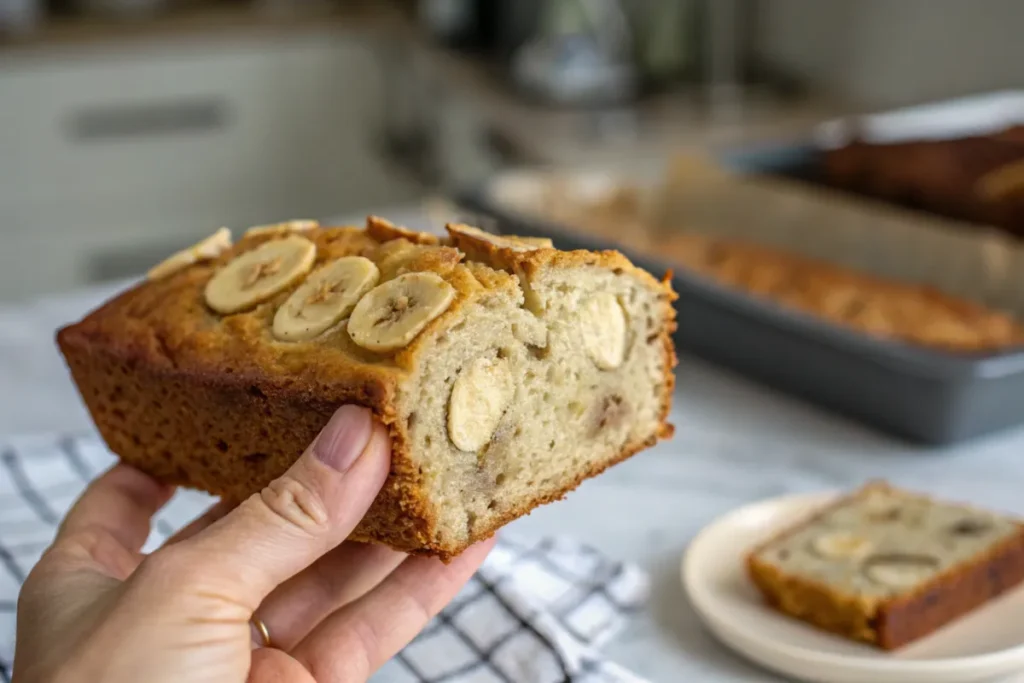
x,y
599,51
20,17
580,53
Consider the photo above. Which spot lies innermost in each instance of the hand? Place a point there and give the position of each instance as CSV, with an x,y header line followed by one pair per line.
x,y
96,609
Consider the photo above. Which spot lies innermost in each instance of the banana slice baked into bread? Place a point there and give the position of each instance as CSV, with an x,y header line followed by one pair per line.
x,y
506,371
887,566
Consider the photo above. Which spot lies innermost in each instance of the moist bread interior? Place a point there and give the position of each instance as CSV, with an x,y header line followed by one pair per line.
x,y
567,416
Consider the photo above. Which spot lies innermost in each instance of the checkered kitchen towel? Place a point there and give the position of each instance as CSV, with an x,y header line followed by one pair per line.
x,y
536,612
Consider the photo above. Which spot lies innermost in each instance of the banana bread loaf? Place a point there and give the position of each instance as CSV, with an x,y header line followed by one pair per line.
x,y
887,567
506,371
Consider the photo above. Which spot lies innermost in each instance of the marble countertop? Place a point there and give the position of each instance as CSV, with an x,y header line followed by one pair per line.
x,y
735,443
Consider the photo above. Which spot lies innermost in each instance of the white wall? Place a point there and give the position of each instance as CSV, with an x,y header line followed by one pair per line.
x,y
889,52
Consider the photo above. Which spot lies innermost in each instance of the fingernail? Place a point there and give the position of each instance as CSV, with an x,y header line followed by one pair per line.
x,y
344,438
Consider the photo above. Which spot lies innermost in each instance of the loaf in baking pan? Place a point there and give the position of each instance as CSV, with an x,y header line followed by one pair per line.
x,y
887,566
915,314
506,371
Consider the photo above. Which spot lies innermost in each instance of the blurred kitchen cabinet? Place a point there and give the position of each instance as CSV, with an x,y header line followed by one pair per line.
x,y
115,155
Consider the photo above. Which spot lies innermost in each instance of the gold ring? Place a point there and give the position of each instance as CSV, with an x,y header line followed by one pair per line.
x,y
262,629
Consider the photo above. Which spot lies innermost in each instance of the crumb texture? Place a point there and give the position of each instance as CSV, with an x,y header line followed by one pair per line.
x,y
506,371
562,416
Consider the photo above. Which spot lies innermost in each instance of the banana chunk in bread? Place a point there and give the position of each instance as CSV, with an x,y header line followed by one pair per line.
x,y
887,566
506,371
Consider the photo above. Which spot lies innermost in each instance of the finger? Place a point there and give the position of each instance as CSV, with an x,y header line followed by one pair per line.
x,y
216,511
352,643
121,502
336,579
297,518
270,665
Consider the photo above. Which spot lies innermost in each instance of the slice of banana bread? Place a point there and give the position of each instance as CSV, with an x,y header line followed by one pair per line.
x,y
887,567
506,371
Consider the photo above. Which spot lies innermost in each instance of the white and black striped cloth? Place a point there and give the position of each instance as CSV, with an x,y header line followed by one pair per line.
x,y
538,611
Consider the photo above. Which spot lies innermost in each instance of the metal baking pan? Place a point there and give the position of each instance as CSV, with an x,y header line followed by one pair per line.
x,y
920,395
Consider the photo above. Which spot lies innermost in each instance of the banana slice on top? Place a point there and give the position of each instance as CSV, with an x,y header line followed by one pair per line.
x,y
328,295
901,571
285,227
603,326
479,398
259,274
208,248
841,545
393,313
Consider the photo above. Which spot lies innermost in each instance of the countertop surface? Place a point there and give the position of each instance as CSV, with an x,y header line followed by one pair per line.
x,y
735,443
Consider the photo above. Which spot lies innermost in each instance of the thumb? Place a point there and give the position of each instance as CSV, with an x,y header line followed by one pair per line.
x,y
309,510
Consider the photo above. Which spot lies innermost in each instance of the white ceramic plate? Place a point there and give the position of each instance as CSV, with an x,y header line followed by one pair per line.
x,y
987,644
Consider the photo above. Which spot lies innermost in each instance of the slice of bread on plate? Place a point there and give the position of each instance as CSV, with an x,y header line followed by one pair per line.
x,y
888,566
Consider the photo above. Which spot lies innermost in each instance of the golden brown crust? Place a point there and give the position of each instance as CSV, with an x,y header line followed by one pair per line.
x,y
384,230
215,403
808,600
533,258
952,595
894,622
811,602
232,434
